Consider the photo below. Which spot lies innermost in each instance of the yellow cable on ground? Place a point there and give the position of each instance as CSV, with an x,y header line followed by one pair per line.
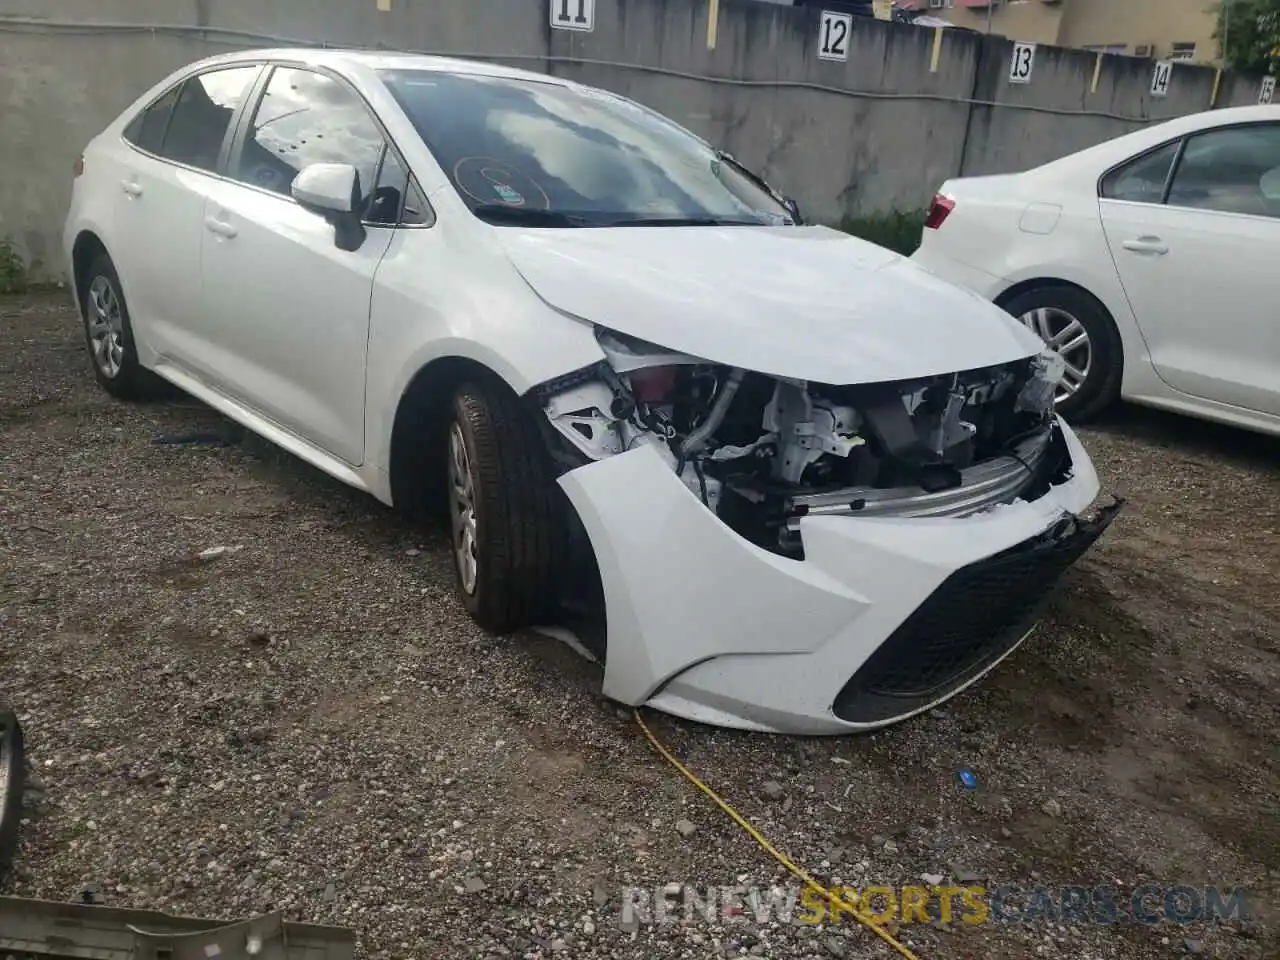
x,y
777,854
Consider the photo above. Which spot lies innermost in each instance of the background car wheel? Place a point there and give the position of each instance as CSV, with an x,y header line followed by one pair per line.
x,y
109,336
12,776
504,512
1080,329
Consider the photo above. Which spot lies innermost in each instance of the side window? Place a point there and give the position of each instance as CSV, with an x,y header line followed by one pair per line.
x,y
146,131
307,118
397,199
203,114
1234,170
1141,180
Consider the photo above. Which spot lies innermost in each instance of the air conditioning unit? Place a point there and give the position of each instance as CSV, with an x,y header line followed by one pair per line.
x,y
1144,50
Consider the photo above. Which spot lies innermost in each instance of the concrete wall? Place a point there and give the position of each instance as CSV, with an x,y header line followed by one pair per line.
x,y
875,133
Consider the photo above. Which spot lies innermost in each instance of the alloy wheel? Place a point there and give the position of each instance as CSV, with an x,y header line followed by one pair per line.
x,y
1067,337
106,327
462,510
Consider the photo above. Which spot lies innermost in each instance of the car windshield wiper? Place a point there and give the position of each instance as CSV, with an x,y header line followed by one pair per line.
x,y
686,222
501,213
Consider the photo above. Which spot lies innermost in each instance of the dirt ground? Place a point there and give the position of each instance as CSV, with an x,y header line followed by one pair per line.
x,y
310,723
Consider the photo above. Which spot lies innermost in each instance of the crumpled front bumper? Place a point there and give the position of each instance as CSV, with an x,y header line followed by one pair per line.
x,y
703,624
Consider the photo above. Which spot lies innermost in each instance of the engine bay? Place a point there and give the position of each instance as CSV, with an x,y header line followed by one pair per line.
x,y
761,451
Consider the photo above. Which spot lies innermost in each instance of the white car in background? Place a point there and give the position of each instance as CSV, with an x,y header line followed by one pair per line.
x,y
1150,263
774,476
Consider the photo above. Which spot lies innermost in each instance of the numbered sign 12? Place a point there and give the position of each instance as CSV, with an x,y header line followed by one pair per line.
x,y
1160,79
1022,62
573,15
833,35
1268,91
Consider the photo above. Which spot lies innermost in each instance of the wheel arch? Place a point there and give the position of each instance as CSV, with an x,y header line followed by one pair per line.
x,y
88,246
415,463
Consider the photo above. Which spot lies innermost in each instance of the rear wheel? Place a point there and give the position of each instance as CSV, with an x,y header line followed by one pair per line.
x,y
109,335
504,510
1078,328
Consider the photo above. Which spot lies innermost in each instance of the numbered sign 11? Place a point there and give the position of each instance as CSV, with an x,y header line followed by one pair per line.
x,y
1160,79
1022,62
1268,90
833,35
573,15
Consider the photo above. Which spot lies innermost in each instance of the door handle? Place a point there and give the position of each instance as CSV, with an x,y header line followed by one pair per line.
x,y
1152,245
131,188
220,227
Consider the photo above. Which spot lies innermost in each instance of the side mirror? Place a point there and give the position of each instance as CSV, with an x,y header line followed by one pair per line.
x,y
332,191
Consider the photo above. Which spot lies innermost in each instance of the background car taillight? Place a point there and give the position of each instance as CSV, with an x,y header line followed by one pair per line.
x,y
79,166
939,210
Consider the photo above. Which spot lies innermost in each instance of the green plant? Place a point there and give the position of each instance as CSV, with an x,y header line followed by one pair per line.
x,y
1248,34
13,272
897,230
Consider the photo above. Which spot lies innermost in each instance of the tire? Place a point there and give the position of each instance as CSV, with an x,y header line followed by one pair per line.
x,y
106,321
517,537
1062,304
12,779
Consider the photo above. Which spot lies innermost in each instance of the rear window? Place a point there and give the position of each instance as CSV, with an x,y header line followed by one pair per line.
x,y
1142,180
148,128
202,116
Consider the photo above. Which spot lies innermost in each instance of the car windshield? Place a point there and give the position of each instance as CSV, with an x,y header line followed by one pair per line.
x,y
524,152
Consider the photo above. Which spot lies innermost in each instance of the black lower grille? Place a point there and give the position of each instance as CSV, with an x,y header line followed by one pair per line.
x,y
969,622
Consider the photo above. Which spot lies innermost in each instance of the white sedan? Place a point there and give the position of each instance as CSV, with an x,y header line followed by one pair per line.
x,y
1149,263
773,476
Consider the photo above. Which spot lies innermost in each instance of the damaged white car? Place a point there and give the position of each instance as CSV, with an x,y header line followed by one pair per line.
x,y
773,476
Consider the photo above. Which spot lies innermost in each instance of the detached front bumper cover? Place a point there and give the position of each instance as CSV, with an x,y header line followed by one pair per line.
x,y
976,617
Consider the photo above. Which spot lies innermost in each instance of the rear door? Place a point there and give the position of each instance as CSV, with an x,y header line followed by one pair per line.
x,y
286,311
1196,251
167,165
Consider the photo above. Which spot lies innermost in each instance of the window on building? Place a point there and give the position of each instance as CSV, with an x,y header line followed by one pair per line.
x,y
1107,47
1183,51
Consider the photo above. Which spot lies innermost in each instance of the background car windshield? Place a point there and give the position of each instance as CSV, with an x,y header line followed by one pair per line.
x,y
520,150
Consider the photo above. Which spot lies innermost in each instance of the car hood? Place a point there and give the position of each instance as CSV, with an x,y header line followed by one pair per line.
x,y
807,303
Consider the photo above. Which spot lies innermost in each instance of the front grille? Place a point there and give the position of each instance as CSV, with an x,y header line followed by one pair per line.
x,y
975,617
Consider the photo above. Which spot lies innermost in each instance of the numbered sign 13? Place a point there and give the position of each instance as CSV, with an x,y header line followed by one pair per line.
x,y
1160,79
1022,62
1268,91
573,14
833,35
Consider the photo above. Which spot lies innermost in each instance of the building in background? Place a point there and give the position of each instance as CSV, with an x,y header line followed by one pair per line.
x,y
1163,29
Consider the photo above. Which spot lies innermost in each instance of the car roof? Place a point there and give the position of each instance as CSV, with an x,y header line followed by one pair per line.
x,y
379,60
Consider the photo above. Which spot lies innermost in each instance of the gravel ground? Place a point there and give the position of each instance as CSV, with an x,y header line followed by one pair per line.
x,y
310,723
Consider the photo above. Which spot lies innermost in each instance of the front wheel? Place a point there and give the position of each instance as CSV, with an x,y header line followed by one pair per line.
x,y
504,510
1076,326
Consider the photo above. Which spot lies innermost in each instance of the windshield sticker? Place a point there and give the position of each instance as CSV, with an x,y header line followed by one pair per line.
x,y
508,195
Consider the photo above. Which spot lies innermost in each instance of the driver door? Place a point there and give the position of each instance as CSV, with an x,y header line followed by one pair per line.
x,y
286,311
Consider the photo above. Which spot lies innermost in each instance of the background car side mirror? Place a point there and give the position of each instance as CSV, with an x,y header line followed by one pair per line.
x,y
332,190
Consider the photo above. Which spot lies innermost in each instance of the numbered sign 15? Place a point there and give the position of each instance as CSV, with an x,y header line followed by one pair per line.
x,y
1160,79
1022,62
833,35
1268,90
573,14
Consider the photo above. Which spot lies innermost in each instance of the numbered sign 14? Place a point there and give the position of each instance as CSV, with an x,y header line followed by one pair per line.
x,y
1268,91
1022,62
833,35
1160,79
573,14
